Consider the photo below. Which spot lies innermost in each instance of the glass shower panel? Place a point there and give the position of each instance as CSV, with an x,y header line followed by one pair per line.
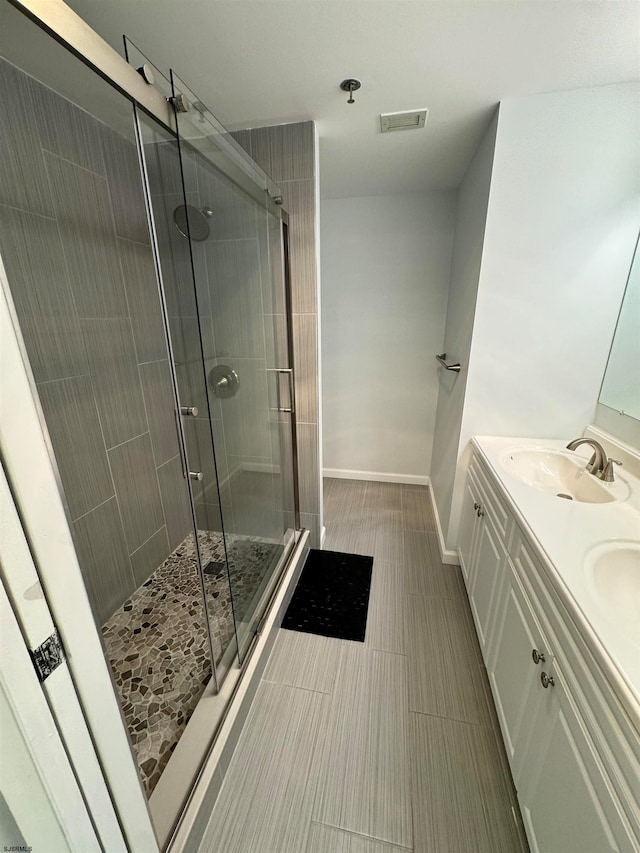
x,y
177,205
76,247
249,380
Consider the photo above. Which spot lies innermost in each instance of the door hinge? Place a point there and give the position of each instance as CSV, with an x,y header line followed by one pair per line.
x,y
47,657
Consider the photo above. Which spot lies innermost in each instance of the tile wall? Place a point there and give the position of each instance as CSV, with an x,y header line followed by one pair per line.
x,y
75,245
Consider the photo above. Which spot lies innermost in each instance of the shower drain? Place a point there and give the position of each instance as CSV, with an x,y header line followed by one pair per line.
x,y
214,568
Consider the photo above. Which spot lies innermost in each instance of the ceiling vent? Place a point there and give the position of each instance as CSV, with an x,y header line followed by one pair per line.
x,y
408,120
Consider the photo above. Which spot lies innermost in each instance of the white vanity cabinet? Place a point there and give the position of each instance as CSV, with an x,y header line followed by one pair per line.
x,y
572,752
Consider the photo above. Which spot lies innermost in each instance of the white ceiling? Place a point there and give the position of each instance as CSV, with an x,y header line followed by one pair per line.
x,y
256,62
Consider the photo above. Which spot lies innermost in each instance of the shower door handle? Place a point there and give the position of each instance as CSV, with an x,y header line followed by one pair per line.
x,y
289,372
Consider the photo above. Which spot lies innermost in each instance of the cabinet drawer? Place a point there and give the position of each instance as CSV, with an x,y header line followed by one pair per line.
x,y
495,507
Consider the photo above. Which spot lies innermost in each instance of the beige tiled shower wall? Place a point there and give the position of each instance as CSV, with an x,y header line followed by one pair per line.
x,y
287,152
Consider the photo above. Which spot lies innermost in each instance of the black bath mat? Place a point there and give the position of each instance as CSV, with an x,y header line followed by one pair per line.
x,y
332,596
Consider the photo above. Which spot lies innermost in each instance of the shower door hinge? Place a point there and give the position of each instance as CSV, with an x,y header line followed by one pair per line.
x,y
180,103
47,657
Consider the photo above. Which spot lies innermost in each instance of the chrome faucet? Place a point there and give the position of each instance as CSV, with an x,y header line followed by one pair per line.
x,y
599,459
598,465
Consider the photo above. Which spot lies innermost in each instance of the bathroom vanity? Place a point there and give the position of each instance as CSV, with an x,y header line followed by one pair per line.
x,y
554,586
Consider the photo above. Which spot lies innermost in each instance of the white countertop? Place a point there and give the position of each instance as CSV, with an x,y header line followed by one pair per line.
x,y
565,531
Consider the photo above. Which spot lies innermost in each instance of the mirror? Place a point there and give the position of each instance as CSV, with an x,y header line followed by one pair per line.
x,y
619,404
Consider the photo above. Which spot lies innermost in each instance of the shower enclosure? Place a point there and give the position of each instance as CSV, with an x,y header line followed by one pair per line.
x,y
146,265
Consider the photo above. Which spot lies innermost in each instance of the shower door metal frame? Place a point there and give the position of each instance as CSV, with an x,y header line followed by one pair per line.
x,y
288,295
72,32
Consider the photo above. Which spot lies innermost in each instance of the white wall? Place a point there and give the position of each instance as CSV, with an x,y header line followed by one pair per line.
x,y
561,227
473,198
385,276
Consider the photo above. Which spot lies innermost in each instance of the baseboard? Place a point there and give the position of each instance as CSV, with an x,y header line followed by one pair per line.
x,y
376,476
447,556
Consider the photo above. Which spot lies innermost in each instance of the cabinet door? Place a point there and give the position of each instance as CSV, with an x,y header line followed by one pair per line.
x,y
468,525
489,566
513,675
566,803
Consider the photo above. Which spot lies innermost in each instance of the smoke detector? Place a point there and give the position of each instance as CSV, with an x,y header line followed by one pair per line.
x,y
408,120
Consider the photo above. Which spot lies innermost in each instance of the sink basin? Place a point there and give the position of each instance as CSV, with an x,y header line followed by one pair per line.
x,y
559,473
613,579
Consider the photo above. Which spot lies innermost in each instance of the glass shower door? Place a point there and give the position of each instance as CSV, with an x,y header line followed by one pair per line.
x,y
249,379
250,326
230,334
187,306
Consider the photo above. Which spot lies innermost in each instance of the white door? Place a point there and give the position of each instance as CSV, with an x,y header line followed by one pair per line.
x,y
79,693
41,806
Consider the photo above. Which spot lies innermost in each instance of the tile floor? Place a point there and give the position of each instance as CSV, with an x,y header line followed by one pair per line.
x,y
385,746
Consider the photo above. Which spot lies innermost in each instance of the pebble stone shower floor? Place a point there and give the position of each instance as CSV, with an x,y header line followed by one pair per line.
x,y
157,645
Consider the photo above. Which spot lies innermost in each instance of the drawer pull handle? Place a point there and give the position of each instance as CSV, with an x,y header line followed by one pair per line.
x,y
538,656
547,680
